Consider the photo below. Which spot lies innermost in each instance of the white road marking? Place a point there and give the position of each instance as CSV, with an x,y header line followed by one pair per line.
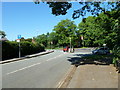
x,y
33,65
23,68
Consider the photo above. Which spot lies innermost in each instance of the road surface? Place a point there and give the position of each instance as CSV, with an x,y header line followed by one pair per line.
x,y
39,72
48,71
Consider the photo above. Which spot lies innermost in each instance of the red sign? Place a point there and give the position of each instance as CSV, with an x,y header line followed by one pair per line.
x,y
18,40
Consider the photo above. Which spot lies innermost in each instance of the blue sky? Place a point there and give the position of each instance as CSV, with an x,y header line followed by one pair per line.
x,y
28,19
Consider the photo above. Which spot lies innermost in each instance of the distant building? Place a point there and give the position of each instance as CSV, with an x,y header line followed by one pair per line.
x,y
33,41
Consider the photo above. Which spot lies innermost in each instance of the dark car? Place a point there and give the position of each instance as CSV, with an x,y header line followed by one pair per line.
x,y
65,49
102,50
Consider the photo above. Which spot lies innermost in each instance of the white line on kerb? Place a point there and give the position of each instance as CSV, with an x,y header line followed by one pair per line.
x,y
32,65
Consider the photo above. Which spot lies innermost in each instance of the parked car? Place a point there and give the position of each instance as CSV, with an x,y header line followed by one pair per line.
x,y
65,49
102,50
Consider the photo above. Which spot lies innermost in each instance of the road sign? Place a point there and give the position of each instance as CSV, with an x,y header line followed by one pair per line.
x,y
104,45
19,36
18,40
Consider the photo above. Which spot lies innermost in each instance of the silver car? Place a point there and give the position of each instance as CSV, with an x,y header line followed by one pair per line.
x,y
102,50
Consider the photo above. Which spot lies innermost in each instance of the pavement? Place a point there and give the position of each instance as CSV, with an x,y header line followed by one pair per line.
x,y
94,76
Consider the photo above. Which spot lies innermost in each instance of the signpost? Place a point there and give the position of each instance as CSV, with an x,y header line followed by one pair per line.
x,y
18,40
19,37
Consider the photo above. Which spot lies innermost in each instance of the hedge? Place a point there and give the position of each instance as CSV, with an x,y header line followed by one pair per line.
x,y
10,49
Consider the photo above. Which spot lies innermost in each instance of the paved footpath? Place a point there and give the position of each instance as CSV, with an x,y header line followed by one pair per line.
x,y
94,76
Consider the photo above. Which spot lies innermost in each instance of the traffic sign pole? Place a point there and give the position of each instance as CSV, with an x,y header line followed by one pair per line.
x,y
19,37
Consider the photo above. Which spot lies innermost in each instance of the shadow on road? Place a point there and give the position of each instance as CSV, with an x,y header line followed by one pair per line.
x,y
82,59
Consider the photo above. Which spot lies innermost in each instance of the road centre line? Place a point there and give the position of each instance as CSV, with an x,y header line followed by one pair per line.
x,y
23,68
33,65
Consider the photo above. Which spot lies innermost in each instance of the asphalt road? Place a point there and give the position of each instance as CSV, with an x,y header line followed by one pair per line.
x,y
39,72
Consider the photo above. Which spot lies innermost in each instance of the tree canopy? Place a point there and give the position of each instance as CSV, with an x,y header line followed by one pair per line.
x,y
2,33
96,31
61,8
65,30
102,27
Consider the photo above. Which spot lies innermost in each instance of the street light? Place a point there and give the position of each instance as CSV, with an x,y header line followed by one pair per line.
x,y
104,46
51,44
70,44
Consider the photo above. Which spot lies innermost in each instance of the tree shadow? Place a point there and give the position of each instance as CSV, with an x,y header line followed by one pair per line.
x,y
80,59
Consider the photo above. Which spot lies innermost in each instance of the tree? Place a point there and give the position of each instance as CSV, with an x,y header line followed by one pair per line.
x,y
88,31
52,40
2,33
61,8
65,30
101,29
110,24
41,39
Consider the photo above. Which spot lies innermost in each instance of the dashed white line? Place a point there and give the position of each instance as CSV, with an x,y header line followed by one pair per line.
x,y
33,65
23,68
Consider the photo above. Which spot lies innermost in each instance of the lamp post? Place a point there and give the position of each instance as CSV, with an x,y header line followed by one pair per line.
x,y
104,46
51,44
70,44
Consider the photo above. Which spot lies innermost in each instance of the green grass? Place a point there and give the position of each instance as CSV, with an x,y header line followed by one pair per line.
x,y
84,47
56,48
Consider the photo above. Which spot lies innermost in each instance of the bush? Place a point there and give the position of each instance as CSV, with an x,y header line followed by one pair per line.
x,y
116,52
10,49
